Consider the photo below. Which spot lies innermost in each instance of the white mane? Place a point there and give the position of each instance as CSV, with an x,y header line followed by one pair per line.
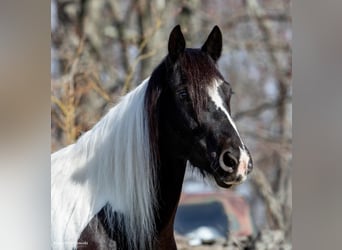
x,y
108,164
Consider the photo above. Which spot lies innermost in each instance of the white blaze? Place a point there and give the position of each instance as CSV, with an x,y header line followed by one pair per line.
x,y
243,164
244,157
217,99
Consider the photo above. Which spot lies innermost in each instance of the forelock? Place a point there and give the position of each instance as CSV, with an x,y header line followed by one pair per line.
x,y
200,71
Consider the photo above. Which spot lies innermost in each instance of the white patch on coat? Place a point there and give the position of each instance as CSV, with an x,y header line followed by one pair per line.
x,y
218,101
243,164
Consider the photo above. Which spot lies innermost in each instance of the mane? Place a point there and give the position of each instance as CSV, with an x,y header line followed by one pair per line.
x,y
153,92
109,164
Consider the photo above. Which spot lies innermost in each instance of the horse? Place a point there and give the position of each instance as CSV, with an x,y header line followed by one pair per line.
x,y
119,185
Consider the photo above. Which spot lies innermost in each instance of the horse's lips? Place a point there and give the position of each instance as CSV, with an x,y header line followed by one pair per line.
x,y
222,183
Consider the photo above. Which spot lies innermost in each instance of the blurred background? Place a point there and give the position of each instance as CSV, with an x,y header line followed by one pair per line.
x,y
102,49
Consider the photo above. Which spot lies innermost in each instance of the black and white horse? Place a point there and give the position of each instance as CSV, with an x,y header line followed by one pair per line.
x,y
119,185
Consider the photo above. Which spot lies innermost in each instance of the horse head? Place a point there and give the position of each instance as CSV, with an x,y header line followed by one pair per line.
x,y
194,105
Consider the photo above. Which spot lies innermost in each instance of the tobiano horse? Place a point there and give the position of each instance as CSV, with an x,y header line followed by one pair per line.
x,y
119,185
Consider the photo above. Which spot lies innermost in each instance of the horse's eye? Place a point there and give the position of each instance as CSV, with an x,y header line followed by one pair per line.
x,y
183,95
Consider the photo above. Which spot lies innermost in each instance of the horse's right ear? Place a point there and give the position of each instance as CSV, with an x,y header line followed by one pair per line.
x,y
176,44
213,44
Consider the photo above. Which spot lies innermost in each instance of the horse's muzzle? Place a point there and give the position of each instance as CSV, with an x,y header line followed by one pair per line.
x,y
236,164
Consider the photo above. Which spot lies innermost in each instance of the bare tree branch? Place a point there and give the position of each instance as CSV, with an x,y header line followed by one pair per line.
x,y
259,109
272,203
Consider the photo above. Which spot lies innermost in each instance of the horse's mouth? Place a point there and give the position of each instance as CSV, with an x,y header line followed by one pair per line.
x,y
222,178
221,183
227,182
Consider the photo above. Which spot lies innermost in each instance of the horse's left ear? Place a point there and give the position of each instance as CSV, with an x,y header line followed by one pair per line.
x,y
213,44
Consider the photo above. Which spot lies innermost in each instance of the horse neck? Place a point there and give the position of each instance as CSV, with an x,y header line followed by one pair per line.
x,y
170,177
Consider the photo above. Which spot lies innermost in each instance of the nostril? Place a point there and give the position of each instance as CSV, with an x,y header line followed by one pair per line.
x,y
229,159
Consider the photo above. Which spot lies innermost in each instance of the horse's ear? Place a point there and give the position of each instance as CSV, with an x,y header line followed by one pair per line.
x,y
176,44
213,44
